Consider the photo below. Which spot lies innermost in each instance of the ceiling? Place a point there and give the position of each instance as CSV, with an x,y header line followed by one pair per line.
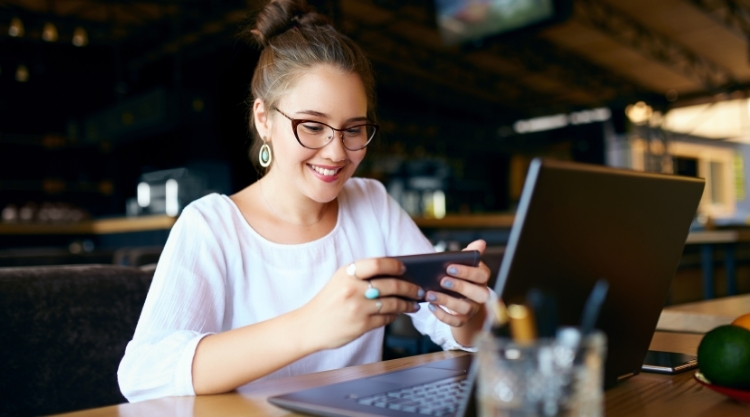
x,y
609,52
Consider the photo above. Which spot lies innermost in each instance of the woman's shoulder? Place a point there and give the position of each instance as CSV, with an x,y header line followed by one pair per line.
x,y
365,197
209,203
212,208
212,215
365,188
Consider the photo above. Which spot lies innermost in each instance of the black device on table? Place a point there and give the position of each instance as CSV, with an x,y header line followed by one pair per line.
x,y
575,224
668,362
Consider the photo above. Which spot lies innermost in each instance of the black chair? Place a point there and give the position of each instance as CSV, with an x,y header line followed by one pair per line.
x,y
52,256
64,331
137,256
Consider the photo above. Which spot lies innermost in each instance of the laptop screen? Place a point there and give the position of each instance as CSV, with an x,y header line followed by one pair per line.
x,y
578,223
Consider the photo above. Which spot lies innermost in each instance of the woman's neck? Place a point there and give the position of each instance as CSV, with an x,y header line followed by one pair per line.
x,y
290,207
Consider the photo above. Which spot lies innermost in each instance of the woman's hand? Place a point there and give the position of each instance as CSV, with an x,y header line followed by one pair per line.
x,y
471,282
340,312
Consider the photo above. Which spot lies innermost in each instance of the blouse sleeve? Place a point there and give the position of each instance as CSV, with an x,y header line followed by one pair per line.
x,y
184,304
405,238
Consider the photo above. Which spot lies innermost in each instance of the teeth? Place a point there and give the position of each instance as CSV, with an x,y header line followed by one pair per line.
x,y
326,172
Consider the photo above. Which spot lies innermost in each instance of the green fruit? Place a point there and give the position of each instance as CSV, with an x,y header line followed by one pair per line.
x,y
724,356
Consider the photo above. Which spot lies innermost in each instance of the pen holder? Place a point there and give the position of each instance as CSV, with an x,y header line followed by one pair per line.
x,y
546,377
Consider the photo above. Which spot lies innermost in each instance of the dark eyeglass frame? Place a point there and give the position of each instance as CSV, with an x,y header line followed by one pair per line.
x,y
297,122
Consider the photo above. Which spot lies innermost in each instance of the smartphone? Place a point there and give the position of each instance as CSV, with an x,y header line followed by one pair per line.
x,y
428,269
668,362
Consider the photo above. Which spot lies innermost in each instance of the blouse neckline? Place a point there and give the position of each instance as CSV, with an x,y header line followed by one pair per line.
x,y
327,236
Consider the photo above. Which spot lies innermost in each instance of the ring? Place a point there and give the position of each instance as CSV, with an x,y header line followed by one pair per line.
x,y
371,292
351,270
379,305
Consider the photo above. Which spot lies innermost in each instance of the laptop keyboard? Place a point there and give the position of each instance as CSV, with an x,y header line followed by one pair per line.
x,y
439,398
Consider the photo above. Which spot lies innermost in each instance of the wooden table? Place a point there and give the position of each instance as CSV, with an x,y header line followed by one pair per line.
x,y
703,316
643,395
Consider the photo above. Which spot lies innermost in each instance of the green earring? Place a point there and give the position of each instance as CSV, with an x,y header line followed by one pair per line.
x,y
264,156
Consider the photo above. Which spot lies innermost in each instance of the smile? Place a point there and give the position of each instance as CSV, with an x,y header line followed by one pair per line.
x,y
325,171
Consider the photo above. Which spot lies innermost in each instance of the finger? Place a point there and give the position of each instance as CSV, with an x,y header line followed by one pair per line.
x,y
393,305
368,268
453,320
478,244
460,306
479,293
380,320
397,288
479,274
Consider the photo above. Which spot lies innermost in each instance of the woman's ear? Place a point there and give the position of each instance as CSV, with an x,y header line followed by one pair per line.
x,y
261,119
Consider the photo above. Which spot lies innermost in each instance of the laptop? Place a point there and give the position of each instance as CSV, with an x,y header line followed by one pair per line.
x,y
575,223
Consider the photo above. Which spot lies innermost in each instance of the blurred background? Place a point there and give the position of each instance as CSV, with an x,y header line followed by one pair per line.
x,y
115,110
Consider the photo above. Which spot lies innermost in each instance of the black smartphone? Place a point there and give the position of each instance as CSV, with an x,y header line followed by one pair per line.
x,y
428,269
668,362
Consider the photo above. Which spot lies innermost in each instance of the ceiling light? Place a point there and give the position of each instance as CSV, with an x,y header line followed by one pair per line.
x,y
16,28
49,33
80,37
22,74
639,112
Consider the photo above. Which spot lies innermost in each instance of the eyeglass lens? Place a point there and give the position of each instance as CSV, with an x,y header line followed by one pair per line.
x,y
316,135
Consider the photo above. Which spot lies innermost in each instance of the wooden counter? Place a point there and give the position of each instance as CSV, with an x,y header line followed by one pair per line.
x,y
450,221
467,221
162,222
718,236
91,227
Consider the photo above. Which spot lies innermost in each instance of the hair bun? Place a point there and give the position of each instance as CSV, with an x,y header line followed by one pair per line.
x,y
281,15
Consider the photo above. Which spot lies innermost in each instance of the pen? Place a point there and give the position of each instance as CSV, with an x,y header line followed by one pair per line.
x,y
589,317
593,306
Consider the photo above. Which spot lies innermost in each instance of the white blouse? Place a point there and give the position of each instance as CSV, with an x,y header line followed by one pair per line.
x,y
216,273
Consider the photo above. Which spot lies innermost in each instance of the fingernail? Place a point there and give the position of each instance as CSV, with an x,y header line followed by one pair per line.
x,y
420,293
452,270
431,297
431,307
416,307
403,268
447,283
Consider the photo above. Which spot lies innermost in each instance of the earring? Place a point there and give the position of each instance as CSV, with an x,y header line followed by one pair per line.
x,y
264,156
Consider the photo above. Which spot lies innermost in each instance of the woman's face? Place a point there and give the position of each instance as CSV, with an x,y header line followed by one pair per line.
x,y
325,94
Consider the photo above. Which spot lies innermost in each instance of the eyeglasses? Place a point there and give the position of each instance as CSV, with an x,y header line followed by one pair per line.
x,y
315,135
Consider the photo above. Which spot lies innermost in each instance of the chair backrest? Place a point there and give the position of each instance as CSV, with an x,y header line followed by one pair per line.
x,y
64,331
52,256
137,256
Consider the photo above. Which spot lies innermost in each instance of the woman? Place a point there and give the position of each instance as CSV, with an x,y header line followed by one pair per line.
x,y
271,281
